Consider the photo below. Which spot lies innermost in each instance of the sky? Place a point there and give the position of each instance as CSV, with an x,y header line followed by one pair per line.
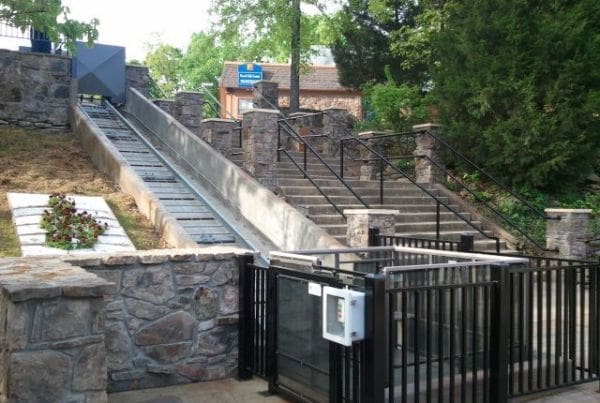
x,y
132,23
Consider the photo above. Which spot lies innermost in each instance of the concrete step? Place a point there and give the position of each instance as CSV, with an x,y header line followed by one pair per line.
x,y
428,216
318,209
310,190
303,200
354,182
335,230
426,226
344,191
328,219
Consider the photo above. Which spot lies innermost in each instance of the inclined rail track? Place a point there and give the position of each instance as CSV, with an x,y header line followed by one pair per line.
x,y
178,197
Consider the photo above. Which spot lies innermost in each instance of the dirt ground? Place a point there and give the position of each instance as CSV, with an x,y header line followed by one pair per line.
x,y
39,162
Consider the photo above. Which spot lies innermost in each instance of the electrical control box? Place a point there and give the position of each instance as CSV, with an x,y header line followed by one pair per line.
x,y
343,315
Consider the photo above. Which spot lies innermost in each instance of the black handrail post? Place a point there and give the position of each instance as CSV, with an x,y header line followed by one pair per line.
x,y
246,319
499,334
437,220
381,168
342,158
278,142
336,382
305,170
374,361
374,239
466,243
271,370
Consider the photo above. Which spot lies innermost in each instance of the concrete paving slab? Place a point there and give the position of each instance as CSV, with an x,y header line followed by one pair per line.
x,y
584,393
222,391
27,209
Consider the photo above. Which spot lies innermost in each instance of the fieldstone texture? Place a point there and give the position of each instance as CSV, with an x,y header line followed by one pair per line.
x,y
425,152
359,222
137,77
165,303
337,124
222,134
53,346
188,110
167,105
36,89
259,133
265,95
569,233
69,335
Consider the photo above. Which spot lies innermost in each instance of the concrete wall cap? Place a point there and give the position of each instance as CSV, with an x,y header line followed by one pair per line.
x,y
371,212
208,120
188,92
274,111
425,126
568,210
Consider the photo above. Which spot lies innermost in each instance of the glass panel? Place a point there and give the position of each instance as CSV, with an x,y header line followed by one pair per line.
x,y
302,353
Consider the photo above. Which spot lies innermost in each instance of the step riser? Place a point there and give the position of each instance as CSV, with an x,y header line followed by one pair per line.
x,y
428,226
370,200
328,209
343,191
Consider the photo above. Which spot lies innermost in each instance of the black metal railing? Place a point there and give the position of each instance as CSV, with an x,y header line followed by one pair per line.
x,y
455,154
288,130
455,331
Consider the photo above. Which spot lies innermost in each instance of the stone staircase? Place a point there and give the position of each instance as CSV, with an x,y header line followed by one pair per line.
x,y
417,216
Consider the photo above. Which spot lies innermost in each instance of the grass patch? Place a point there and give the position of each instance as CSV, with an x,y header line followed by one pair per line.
x,y
38,162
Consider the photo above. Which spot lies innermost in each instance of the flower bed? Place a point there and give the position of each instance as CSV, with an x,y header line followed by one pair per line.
x,y
66,227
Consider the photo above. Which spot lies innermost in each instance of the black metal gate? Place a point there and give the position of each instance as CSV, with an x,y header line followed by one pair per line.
x,y
281,335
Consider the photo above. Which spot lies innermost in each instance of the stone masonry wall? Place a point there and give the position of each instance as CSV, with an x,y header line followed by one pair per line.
x,y
36,89
322,100
51,332
137,77
172,318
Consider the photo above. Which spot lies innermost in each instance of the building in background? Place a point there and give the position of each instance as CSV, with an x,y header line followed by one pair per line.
x,y
319,89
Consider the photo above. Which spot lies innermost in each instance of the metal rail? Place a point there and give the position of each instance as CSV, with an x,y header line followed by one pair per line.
x,y
181,178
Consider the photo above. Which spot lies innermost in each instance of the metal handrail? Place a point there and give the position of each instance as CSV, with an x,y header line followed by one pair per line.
x,y
300,140
385,161
307,176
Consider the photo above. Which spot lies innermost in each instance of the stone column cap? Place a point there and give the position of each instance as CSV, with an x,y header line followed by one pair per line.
x,y
426,126
219,120
568,210
371,212
188,92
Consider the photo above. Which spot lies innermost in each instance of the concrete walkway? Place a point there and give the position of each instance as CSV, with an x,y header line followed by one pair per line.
x,y
584,393
223,391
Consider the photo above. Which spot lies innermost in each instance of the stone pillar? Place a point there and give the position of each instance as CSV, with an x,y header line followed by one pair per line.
x,y
569,233
425,170
137,77
360,220
52,333
306,125
369,167
166,105
337,124
221,134
188,107
266,95
259,143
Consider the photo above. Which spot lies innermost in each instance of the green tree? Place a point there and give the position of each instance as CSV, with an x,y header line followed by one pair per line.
x,y
270,30
518,86
163,63
50,17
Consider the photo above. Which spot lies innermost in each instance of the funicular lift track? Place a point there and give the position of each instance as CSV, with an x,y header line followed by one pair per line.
x,y
178,195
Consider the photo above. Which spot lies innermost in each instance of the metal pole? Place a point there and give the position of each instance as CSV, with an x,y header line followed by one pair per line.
x,y
342,158
278,142
500,328
381,181
271,372
304,147
246,319
374,361
437,221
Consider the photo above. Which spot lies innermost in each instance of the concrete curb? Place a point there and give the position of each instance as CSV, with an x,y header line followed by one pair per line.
x,y
108,160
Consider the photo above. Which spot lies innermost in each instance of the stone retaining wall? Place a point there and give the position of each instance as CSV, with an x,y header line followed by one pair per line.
x,y
172,318
36,89
51,332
